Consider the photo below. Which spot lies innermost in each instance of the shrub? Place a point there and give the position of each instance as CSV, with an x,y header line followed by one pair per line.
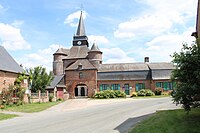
x,y
158,91
145,92
149,93
50,98
120,93
134,94
59,99
141,92
109,94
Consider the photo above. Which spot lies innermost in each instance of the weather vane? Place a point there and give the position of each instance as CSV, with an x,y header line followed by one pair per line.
x,y
82,7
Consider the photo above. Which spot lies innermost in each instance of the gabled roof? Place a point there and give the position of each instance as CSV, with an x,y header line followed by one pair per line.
x,y
160,66
81,27
161,74
78,52
55,82
161,70
86,65
7,63
123,67
124,75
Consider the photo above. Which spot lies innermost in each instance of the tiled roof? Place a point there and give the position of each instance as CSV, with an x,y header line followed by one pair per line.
x,y
126,75
94,48
86,65
62,51
159,66
55,82
123,67
7,63
161,74
78,52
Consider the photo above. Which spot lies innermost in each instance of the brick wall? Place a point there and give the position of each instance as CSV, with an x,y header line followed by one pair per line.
x,y
8,78
88,78
131,83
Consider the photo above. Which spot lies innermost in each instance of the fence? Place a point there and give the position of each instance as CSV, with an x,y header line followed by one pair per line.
x,y
37,97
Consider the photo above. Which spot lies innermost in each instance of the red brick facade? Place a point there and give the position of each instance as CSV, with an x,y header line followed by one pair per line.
x,y
6,79
87,78
131,83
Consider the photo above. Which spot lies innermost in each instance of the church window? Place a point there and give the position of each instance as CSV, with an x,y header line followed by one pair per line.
x,y
80,75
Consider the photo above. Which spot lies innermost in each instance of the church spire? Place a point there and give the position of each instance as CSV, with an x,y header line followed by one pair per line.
x,y
81,28
80,38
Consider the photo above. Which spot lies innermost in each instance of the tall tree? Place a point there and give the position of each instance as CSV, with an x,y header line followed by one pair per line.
x,y
187,76
40,78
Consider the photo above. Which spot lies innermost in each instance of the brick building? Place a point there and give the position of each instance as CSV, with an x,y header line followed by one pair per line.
x,y
9,70
79,71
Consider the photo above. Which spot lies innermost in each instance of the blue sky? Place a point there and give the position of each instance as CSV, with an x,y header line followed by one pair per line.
x,y
124,30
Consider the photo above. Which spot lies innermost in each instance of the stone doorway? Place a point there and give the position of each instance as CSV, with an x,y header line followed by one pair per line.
x,y
81,91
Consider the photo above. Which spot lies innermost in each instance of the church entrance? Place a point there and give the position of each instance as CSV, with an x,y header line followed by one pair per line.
x,y
76,91
81,90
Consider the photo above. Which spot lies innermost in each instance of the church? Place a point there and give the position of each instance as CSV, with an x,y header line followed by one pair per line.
x,y
80,72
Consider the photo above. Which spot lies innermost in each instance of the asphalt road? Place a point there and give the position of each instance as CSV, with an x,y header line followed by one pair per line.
x,y
101,118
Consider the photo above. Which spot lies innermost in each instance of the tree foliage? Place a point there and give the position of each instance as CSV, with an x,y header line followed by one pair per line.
x,y
187,76
40,78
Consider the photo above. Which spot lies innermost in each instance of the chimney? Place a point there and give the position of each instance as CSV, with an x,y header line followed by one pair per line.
x,y
146,59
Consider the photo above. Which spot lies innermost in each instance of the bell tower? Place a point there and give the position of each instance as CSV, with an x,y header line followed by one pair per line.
x,y
80,38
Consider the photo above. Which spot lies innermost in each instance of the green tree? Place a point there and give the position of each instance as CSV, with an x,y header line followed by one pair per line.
x,y
187,76
40,78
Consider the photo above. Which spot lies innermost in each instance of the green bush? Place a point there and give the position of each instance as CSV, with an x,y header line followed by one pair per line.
x,y
59,99
134,94
109,94
50,98
141,92
158,91
145,92
119,93
149,93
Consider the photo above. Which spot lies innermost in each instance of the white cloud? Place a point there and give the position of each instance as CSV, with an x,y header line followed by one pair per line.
x,y
160,48
115,55
98,39
11,38
43,57
74,16
143,26
158,18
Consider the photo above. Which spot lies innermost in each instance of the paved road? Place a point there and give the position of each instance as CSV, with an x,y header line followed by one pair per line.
x,y
113,117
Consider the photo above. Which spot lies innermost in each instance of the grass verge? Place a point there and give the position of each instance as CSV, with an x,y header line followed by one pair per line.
x,y
30,108
6,116
171,121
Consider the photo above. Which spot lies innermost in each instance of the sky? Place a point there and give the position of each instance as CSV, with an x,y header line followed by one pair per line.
x,y
124,30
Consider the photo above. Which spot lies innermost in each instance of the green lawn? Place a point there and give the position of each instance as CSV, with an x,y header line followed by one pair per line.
x,y
171,121
6,116
30,108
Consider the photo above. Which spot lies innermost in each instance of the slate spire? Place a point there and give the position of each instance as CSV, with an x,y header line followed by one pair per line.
x,y
81,28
